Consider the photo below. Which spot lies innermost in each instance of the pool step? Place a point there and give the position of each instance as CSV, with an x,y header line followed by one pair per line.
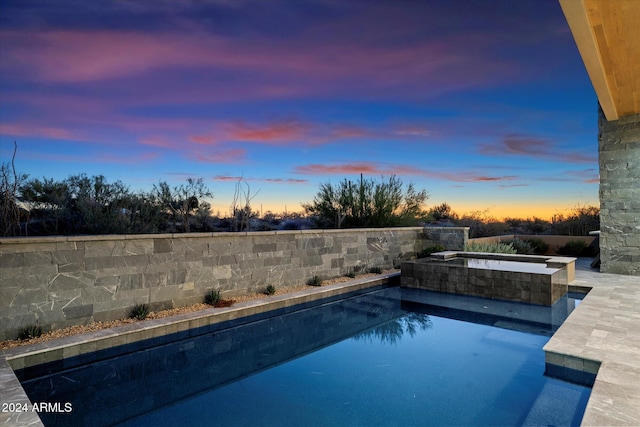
x,y
550,408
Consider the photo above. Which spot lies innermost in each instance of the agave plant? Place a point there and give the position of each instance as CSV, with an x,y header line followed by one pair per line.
x,y
212,297
270,290
28,332
139,311
315,281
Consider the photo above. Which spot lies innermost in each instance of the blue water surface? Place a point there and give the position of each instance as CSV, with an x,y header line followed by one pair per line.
x,y
446,373
369,360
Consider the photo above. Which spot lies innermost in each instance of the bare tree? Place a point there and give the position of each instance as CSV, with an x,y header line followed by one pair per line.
x,y
10,183
240,215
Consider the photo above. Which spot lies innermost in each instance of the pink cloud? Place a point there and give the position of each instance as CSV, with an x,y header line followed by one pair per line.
x,y
287,131
377,169
35,130
227,178
279,131
530,146
412,131
287,69
75,56
202,139
350,131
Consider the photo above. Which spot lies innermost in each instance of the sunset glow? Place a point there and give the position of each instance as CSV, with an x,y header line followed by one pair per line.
x,y
486,105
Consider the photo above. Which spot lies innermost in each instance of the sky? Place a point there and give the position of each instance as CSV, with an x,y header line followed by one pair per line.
x,y
485,104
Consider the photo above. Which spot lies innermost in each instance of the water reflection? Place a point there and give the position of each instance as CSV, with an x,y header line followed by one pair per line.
x,y
392,331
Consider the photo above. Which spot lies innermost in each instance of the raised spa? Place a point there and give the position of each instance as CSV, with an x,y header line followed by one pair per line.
x,y
529,279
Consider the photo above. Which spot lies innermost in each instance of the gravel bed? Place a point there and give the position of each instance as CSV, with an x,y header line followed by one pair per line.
x,y
94,326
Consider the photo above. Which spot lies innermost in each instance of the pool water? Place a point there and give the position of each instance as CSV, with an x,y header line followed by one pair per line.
x,y
368,360
503,265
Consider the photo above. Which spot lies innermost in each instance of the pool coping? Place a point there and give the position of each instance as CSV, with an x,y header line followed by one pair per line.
x,y
11,391
601,337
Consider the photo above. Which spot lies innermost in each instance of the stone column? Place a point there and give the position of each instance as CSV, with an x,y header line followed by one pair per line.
x,y
619,150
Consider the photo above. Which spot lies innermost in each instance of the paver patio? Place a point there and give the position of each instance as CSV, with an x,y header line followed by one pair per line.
x,y
605,328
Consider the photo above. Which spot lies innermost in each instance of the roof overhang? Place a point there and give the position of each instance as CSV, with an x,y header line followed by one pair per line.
x,y
607,33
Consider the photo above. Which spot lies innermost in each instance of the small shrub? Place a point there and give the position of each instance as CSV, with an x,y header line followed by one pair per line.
x,y
315,281
521,246
359,268
351,274
139,311
375,270
575,248
496,248
539,246
270,290
28,332
430,250
212,297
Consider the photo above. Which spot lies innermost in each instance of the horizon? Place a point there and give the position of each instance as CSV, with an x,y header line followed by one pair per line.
x,y
487,106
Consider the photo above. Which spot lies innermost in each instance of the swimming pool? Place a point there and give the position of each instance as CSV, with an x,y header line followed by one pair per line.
x,y
388,357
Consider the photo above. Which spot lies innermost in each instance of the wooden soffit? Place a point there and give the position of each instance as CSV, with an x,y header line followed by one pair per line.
x,y
607,33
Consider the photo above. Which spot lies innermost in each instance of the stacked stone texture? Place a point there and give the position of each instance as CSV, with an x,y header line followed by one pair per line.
x,y
529,288
63,281
619,149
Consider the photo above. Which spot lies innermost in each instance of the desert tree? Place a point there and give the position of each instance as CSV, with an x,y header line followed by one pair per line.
x,y
182,201
10,184
48,203
442,212
97,206
368,203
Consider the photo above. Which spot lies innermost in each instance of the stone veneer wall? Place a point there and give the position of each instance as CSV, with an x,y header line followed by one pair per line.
x,y
451,238
619,149
57,282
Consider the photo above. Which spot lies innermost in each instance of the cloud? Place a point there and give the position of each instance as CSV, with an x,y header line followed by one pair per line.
x,y
157,141
275,132
380,169
99,157
531,146
146,66
34,130
588,176
513,186
202,139
282,132
227,156
88,56
412,131
271,180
